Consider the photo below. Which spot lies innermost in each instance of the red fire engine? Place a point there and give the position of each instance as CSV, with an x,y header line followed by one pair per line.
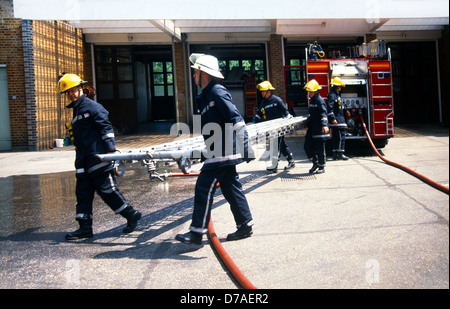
x,y
368,87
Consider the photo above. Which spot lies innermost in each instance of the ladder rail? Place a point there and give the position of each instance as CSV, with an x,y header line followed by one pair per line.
x,y
184,150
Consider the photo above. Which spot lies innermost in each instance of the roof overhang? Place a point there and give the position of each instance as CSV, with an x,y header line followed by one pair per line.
x,y
147,21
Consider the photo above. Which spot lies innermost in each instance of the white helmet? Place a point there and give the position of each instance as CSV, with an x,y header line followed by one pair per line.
x,y
206,63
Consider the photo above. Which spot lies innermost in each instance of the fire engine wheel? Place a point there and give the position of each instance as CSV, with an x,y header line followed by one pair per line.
x,y
380,143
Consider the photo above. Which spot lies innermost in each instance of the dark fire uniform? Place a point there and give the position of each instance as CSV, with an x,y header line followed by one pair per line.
x,y
227,145
93,134
335,112
315,138
270,109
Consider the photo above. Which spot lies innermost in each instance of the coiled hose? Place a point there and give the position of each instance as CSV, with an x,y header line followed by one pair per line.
x,y
404,168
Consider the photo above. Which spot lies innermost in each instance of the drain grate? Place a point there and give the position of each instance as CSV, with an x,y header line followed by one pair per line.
x,y
297,177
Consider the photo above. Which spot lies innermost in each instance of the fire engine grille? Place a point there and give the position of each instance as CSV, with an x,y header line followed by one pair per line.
x,y
297,177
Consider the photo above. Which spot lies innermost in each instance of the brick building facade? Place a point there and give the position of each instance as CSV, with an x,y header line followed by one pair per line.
x,y
11,55
35,53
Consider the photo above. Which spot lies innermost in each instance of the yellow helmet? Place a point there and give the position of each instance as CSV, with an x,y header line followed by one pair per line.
x,y
264,86
68,81
312,86
337,82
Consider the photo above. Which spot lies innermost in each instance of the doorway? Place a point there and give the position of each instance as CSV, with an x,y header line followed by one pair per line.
x,y
135,84
162,90
415,82
243,67
116,86
154,76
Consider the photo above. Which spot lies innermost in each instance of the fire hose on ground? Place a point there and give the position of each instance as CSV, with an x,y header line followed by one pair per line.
x,y
182,152
404,168
238,275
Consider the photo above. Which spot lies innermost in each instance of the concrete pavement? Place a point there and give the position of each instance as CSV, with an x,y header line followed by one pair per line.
x,y
362,224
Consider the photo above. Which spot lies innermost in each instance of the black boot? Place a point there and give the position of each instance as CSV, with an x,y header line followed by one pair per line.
x,y
342,156
132,217
314,167
85,230
243,231
190,238
321,170
291,162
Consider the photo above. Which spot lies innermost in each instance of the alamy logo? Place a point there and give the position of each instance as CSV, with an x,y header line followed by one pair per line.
x,y
228,141
372,271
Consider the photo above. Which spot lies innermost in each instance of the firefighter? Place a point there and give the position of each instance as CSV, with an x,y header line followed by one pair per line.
x,y
228,149
273,107
93,134
317,124
336,119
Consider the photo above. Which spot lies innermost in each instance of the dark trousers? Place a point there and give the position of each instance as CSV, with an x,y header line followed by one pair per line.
x,y
338,140
315,149
232,191
105,185
283,147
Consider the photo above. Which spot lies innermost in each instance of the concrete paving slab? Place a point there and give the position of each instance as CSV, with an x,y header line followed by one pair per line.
x,y
362,224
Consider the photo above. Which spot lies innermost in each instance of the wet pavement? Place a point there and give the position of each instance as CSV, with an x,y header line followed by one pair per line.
x,y
334,230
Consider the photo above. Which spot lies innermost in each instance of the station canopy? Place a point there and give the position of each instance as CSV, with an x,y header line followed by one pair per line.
x,y
149,21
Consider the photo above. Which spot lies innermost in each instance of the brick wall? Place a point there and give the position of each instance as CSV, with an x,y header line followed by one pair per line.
x,y
36,53
276,72
11,54
57,47
182,103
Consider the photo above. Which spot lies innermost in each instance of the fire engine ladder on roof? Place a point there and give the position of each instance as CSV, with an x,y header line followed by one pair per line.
x,y
185,151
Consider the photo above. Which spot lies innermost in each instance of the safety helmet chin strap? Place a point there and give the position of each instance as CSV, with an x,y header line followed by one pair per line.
x,y
267,96
201,78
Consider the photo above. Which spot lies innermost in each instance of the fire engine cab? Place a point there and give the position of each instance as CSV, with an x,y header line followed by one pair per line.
x,y
368,90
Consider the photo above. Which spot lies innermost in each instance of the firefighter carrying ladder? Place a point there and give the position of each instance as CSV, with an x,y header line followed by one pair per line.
x,y
185,151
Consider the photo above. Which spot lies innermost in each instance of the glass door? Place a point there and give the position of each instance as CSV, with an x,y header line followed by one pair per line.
x,y
115,86
162,83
